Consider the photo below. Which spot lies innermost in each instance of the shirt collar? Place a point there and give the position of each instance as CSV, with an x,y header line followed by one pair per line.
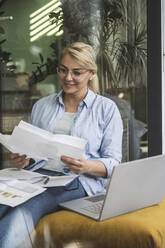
x,y
59,97
88,100
90,97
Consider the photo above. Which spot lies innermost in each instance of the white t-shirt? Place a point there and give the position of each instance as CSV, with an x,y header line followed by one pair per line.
x,y
63,127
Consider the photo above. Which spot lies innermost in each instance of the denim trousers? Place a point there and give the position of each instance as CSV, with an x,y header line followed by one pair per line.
x,y
17,223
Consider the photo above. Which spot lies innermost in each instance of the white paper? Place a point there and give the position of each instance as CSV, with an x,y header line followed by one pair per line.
x,y
19,185
4,139
41,144
13,193
20,174
55,181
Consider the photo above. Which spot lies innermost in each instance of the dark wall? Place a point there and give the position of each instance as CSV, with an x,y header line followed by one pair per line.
x,y
154,77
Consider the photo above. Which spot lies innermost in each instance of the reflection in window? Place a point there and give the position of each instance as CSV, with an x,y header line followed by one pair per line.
x,y
40,22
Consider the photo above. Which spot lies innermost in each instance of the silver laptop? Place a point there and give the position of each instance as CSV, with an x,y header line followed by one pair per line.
x,y
133,185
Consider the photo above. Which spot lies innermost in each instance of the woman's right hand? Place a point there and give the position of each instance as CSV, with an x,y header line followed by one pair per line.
x,y
19,161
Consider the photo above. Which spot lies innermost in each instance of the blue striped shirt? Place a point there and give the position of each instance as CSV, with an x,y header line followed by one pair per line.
x,y
98,121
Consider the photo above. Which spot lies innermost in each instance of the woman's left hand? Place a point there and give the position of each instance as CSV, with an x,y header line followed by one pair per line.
x,y
78,166
81,165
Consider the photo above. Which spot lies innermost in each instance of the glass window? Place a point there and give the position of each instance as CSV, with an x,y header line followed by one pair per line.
x,y
33,32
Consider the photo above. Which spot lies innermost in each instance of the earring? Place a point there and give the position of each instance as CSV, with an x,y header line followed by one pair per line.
x,y
90,79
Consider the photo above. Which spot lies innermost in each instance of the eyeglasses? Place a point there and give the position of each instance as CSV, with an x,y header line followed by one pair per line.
x,y
75,73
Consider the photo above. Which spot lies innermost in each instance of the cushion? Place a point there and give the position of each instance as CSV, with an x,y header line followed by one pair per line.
x,y
142,228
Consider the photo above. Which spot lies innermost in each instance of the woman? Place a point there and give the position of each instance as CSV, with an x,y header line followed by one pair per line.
x,y
76,111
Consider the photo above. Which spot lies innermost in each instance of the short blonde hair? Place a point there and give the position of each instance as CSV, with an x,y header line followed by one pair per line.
x,y
85,56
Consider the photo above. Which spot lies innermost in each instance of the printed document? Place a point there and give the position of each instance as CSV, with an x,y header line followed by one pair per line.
x,y
14,192
40,144
19,185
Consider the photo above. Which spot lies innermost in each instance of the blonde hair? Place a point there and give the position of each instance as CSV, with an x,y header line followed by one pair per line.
x,y
85,56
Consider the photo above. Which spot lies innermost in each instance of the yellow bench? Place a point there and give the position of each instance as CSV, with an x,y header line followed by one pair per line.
x,y
144,228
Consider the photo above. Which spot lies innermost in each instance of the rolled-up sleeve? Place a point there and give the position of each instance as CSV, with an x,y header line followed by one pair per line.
x,y
111,147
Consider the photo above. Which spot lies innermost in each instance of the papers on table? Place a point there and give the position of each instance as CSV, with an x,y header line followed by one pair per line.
x,y
40,144
19,185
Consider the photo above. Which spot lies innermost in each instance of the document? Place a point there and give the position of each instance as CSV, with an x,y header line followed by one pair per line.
x,y
19,174
55,181
32,177
19,185
40,144
14,192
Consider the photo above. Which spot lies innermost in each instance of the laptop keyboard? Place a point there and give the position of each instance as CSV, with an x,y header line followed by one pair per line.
x,y
95,208
96,198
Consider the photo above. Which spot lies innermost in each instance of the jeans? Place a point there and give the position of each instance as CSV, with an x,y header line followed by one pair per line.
x,y
17,223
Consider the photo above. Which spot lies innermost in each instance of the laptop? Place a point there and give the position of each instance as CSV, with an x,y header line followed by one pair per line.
x,y
132,186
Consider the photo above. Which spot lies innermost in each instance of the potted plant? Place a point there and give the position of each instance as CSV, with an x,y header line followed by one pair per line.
x,y
121,61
